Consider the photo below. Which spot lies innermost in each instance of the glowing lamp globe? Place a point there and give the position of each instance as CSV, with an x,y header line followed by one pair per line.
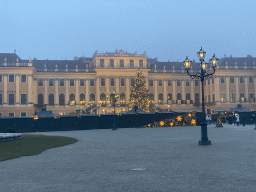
x,y
201,54
214,61
187,63
203,65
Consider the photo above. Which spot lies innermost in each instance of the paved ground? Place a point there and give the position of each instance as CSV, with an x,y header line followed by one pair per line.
x,y
166,159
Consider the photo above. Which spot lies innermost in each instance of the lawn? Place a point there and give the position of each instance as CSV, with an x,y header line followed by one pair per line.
x,y
32,145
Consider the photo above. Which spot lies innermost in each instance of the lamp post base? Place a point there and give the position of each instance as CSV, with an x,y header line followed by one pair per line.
x,y
204,142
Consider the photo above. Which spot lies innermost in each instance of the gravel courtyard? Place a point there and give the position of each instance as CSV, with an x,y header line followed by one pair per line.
x,y
139,159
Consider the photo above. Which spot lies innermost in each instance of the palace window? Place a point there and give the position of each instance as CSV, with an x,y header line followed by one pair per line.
x,y
0,78
102,63
212,80
250,79
208,81
213,98
112,82
251,98
91,82
141,63
232,79
1,102
122,82
51,82
102,82
71,82
23,99
132,81
151,83
121,63
241,79
222,79
23,78
169,98
131,63
103,99
82,99
40,100
40,82
196,83
232,98
92,98
23,114
81,82
209,98
11,99
61,99
122,99
11,78
11,114
61,82
187,83
160,98
169,82
111,62
151,98
160,83
222,98
178,83
72,99
242,99
51,99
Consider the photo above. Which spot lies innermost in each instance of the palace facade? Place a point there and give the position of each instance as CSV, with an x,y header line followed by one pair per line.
x,y
85,85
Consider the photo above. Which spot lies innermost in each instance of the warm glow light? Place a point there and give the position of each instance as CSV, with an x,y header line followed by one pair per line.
x,y
187,63
149,125
189,115
193,122
161,123
35,117
203,65
171,123
179,118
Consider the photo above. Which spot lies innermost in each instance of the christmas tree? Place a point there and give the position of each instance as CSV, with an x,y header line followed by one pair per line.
x,y
139,93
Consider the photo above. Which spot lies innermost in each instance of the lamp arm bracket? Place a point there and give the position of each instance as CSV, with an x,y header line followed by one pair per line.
x,y
195,76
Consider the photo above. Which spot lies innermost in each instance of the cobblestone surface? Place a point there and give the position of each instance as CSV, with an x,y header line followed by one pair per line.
x,y
145,159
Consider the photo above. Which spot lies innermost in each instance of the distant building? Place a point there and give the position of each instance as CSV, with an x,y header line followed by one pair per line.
x,y
68,86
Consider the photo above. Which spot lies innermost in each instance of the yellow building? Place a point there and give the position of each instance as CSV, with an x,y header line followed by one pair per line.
x,y
85,85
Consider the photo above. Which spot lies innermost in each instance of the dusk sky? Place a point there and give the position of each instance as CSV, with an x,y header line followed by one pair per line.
x,y
168,30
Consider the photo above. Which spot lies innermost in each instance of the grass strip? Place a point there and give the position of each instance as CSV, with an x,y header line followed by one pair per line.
x,y
32,145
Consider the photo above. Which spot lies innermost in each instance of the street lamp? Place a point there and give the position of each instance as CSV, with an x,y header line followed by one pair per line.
x,y
204,74
114,98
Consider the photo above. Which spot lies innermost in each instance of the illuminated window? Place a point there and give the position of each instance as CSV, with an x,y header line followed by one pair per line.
x,y
232,97
222,98
160,98
242,99
102,99
151,98
72,99
82,99
92,98
122,99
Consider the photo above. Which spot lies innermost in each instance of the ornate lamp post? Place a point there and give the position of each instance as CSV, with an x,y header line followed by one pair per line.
x,y
204,74
114,99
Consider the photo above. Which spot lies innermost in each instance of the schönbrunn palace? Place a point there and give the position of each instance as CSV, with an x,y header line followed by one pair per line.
x,y
82,85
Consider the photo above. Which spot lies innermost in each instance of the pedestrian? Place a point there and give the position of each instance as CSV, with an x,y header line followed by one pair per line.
x,y
234,120
237,119
243,119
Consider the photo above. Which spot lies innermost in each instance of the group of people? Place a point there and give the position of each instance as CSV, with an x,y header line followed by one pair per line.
x,y
231,119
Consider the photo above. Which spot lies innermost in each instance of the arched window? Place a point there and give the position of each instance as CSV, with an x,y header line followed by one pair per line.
x,y
72,99
82,99
92,98
122,99
151,98
61,99
160,98
103,99
197,102
188,96
169,98
51,99
178,96
40,100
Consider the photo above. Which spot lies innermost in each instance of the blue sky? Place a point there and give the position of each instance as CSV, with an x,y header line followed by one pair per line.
x,y
168,30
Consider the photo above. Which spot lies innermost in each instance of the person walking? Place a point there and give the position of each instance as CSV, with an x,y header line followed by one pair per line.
x,y
237,119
